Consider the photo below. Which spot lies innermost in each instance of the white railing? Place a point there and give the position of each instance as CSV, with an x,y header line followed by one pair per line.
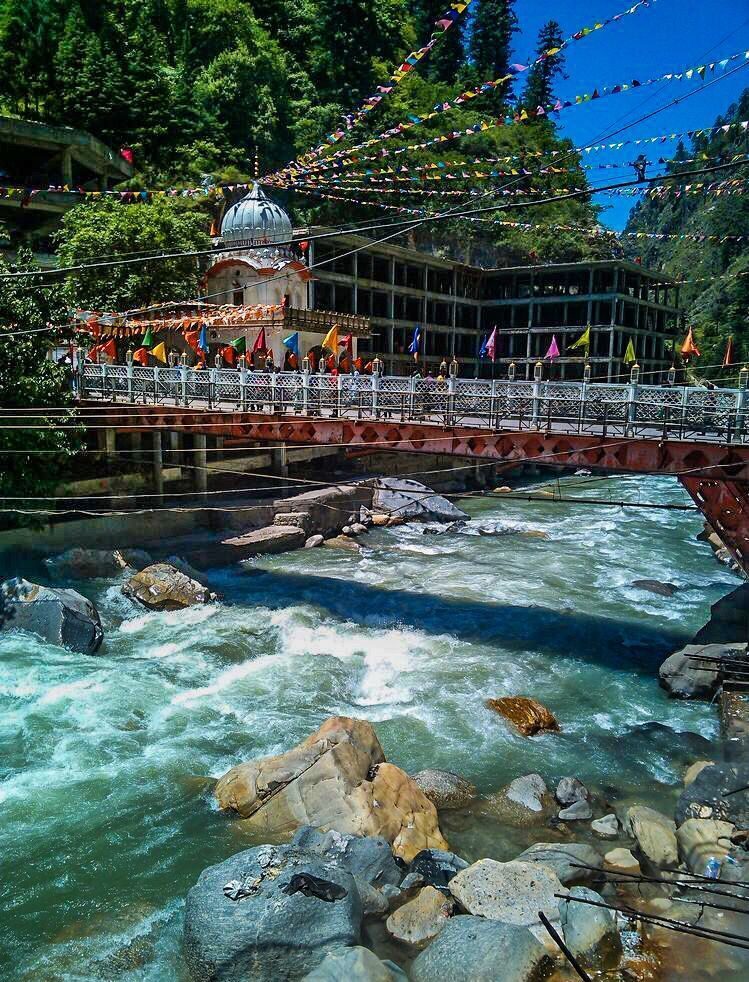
x,y
675,412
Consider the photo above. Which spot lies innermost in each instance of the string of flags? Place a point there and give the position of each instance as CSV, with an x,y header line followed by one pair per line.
x,y
441,26
491,85
351,159
524,115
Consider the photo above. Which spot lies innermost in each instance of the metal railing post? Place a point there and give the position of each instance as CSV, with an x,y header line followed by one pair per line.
x,y
742,402
130,371
376,395
632,389
338,386
582,405
411,399
536,404
305,391
493,410
274,392
183,383
684,406
451,386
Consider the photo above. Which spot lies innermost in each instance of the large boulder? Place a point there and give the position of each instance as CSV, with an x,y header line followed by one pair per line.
x,y
526,715
436,867
655,835
729,619
684,675
445,789
355,965
88,564
525,801
511,892
409,499
335,779
705,798
567,859
422,918
569,790
369,859
163,587
268,914
62,617
472,949
700,839
590,932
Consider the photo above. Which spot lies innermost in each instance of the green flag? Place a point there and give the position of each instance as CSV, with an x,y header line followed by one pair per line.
x,y
629,355
148,339
583,341
239,345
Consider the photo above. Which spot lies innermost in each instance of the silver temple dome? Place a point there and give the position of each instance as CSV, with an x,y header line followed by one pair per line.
x,y
255,221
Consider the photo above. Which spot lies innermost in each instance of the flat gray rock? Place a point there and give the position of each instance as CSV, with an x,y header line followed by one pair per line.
x,y
355,965
472,949
62,617
590,932
445,789
246,920
606,827
272,539
578,811
684,676
569,790
565,858
368,858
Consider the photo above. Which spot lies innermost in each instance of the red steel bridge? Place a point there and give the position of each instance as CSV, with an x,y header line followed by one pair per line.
x,y
699,436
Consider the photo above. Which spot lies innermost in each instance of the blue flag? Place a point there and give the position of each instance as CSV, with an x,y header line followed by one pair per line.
x,y
482,349
203,340
413,348
292,343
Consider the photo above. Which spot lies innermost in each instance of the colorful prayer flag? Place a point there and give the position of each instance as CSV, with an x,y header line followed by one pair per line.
x,y
239,345
553,351
689,348
229,354
203,340
728,357
583,341
292,343
159,352
141,356
330,341
629,355
413,347
491,344
260,344
148,339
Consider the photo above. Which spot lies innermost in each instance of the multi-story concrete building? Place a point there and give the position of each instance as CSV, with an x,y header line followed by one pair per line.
x,y
458,305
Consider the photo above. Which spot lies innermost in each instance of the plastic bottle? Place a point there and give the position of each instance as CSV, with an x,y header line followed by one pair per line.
x,y
712,868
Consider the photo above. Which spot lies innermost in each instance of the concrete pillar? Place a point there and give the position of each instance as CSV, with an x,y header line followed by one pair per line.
x,y
199,463
106,440
175,443
66,166
280,461
158,472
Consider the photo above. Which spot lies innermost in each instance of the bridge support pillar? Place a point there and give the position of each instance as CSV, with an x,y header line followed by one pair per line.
x,y
280,461
158,471
106,440
200,463
725,505
174,446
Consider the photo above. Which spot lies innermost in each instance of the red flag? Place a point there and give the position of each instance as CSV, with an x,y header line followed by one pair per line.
x,y
93,353
348,343
229,355
260,343
141,356
689,347
368,368
110,348
330,362
359,363
728,357
127,154
292,361
192,338
312,361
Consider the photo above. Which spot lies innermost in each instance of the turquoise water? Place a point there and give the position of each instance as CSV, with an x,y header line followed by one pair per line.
x,y
106,816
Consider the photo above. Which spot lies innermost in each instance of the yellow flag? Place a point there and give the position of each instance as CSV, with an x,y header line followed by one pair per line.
x,y
159,352
330,341
629,355
583,341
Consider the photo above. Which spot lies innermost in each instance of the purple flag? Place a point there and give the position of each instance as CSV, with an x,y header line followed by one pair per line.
x,y
553,351
491,344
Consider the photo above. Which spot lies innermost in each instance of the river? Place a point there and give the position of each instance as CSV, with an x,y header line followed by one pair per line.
x,y
106,817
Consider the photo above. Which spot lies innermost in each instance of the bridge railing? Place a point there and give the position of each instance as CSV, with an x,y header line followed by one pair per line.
x,y
673,412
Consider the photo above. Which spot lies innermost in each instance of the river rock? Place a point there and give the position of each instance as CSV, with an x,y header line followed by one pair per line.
x,y
61,617
524,801
590,932
404,498
355,964
445,789
422,918
700,838
527,715
729,619
684,676
359,529
380,520
704,797
656,586
162,587
694,769
369,859
569,790
655,835
472,949
342,542
336,778
88,564
621,861
565,859
270,540
606,827
512,892
578,811
314,541
269,932
436,867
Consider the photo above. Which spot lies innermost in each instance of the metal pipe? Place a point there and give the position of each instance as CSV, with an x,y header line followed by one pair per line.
x,y
563,947
639,878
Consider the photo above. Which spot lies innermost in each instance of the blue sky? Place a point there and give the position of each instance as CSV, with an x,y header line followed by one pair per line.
x,y
669,35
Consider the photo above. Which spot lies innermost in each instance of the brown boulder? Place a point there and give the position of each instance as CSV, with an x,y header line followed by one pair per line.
x,y
335,779
527,715
162,587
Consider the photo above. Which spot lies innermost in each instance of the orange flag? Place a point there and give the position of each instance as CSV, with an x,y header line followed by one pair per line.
x,y
229,355
689,347
728,357
141,356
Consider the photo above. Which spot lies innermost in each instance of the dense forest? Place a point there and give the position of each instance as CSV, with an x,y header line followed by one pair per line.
x,y
716,268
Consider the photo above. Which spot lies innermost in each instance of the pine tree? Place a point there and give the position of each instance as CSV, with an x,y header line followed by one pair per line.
x,y
494,23
542,78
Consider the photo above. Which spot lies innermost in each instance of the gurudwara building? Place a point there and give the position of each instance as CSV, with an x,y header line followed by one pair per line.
x,y
378,292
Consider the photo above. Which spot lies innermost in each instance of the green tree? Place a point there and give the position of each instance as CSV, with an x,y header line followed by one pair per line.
x,y
493,24
111,228
30,380
543,76
448,56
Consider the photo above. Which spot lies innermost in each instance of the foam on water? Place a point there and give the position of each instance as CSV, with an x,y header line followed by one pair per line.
x,y
105,763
